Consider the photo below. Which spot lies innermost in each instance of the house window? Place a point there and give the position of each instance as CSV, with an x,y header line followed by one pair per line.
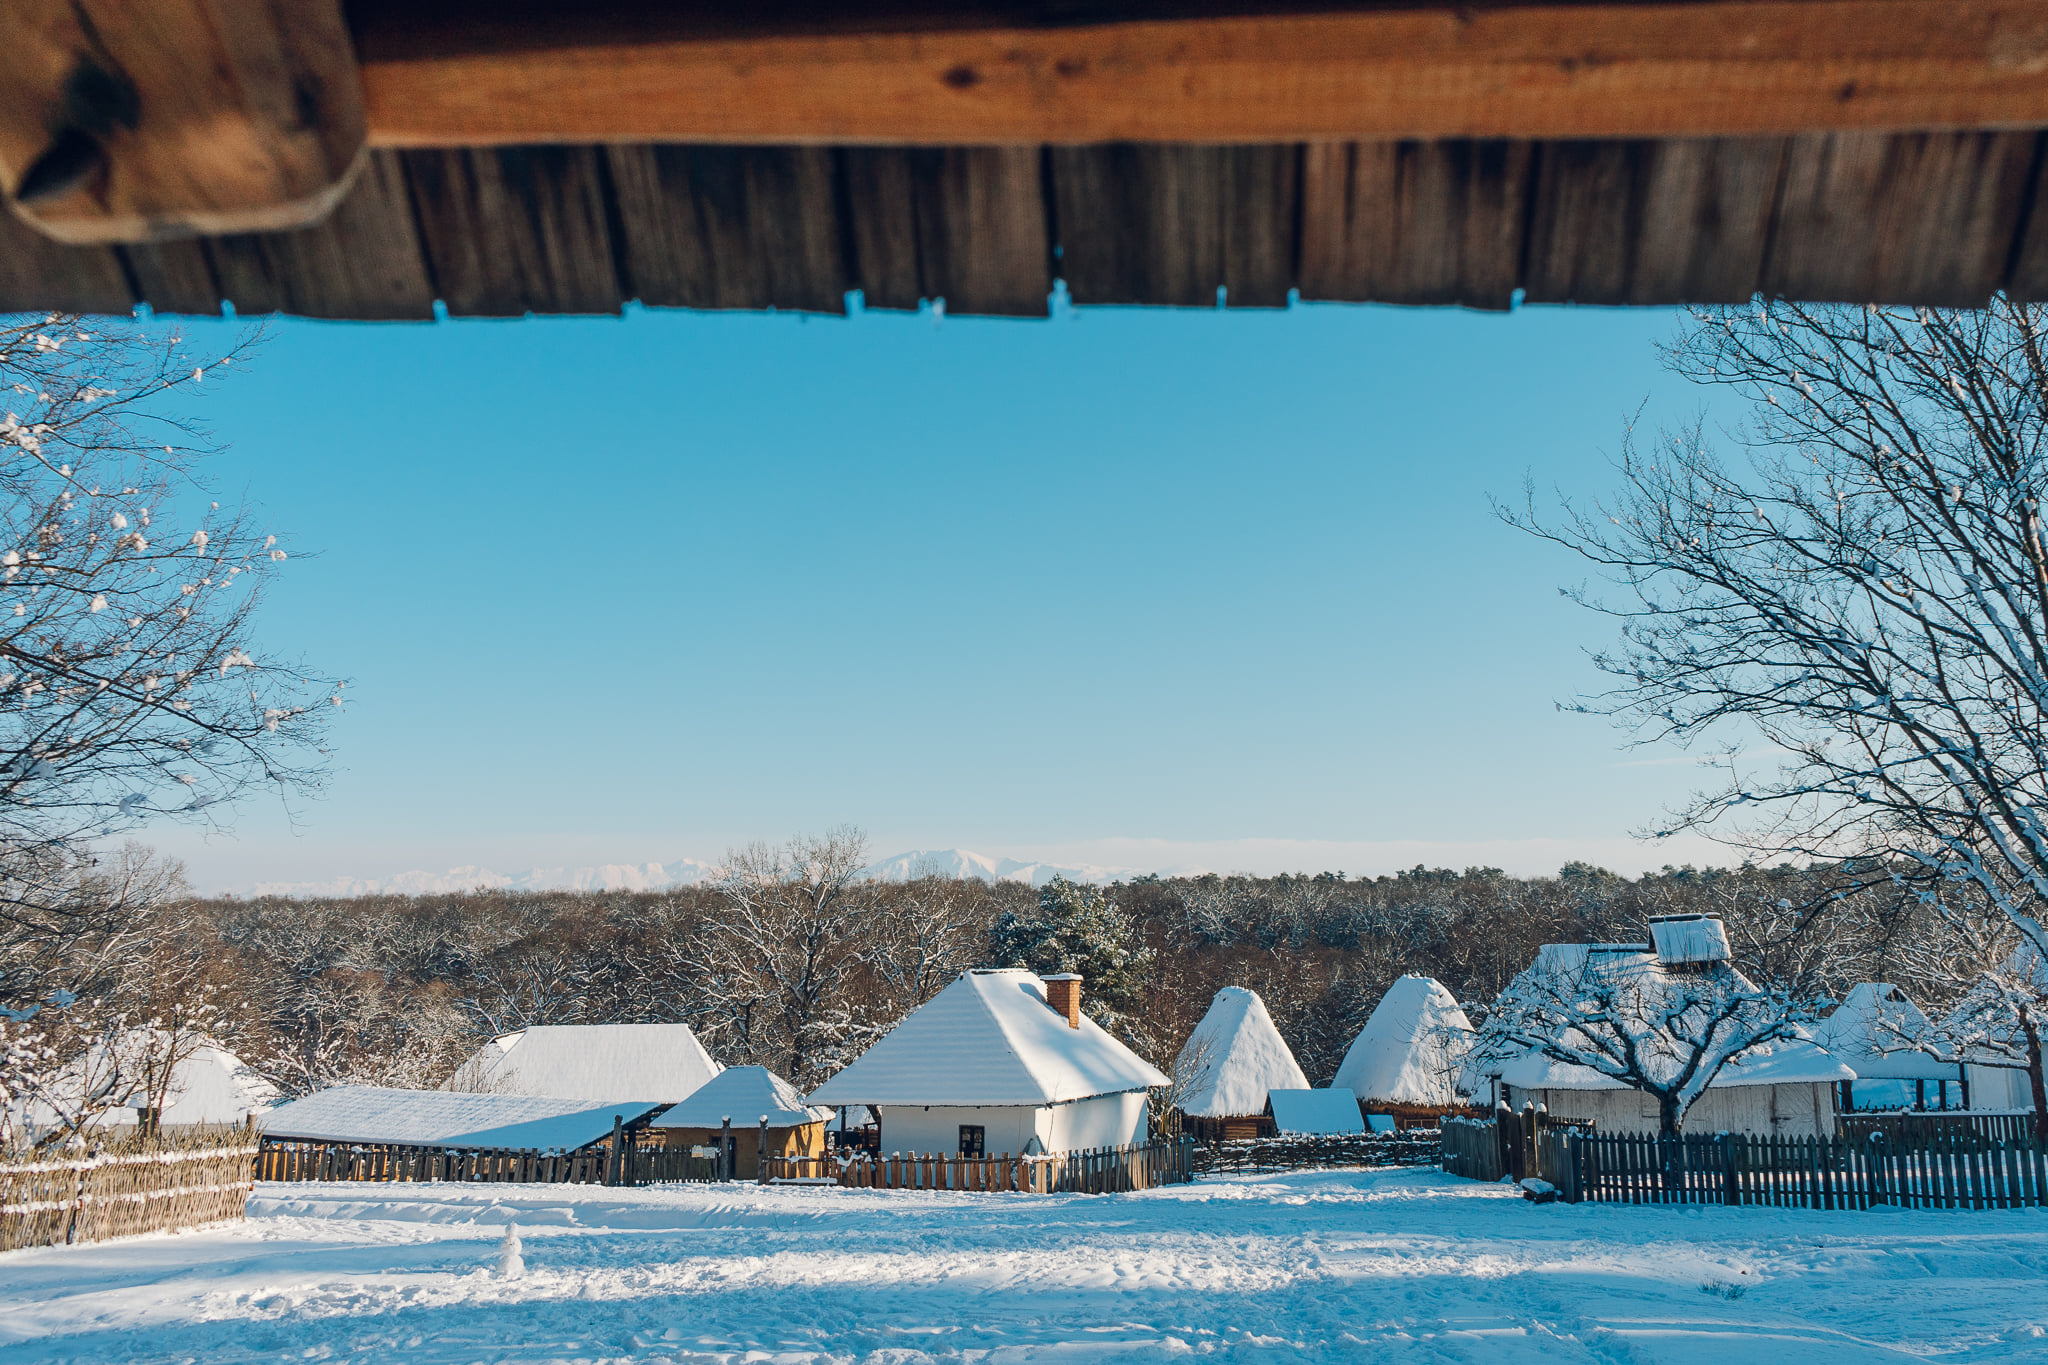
x,y
971,1135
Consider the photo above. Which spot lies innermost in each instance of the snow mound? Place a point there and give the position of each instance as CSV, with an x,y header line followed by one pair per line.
x,y
1410,1049
1236,1057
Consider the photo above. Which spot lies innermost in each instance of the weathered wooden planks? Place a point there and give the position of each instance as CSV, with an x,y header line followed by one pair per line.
x,y
515,230
1143,223
730,227
1414,222
1932,218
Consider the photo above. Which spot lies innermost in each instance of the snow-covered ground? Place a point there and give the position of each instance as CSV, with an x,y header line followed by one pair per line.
x,y
1383,1266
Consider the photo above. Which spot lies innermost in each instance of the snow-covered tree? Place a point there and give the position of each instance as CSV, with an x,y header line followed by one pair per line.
x,y
1861,598
1620,1012
131,685
773,967
1999,1023
1078,928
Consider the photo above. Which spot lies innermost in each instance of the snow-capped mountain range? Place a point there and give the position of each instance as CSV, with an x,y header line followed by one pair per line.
x,y
944,862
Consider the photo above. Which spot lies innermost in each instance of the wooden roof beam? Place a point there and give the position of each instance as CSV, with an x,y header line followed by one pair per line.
x,y
1076,71
131,120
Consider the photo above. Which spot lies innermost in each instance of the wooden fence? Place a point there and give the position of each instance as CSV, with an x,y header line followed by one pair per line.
x,y
153,1186
1480,1149
1471,1148
1412,1147
1104,1170
1958,1171
285,1159
1914,1127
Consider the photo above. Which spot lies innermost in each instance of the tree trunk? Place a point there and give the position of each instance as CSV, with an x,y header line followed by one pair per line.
x,y
1667,1141
2031,1028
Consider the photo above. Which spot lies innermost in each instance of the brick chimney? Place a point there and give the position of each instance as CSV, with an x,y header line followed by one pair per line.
x,y
1063,993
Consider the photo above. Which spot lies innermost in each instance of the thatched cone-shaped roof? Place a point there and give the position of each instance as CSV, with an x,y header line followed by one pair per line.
x,y
1409,1050
1234,1057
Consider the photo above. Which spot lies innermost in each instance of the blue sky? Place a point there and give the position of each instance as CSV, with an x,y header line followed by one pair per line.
x,y
1138,587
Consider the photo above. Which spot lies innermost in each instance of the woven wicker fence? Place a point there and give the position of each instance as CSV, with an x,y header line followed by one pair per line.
x,y
158,1186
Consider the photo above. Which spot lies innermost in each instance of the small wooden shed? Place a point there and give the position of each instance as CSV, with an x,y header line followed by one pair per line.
x,y
744,1096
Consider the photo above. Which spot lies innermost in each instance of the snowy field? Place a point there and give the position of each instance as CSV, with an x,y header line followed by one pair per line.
x,y
1382,1266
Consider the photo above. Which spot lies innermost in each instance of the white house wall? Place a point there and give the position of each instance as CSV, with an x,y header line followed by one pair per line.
x,y
1795,1109
1100,1121
2000,1088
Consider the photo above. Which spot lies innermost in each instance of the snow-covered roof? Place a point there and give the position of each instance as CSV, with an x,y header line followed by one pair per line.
x,y
989,1038
1644,983
1410,1049
208,1084
1235,1056
1871,1029
1689,939
1787,1061
441,1118
662,1062
1316,1112
743,1094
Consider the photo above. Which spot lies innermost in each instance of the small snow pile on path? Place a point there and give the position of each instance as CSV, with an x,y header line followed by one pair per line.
x,y
1391,1267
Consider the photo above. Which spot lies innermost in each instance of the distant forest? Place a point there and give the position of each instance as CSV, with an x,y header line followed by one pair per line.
x,y
800,971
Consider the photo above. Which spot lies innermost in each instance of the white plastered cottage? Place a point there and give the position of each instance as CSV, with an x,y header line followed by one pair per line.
x,y
999,1061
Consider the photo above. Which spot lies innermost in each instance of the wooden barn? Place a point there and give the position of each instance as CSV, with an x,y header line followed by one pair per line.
x,y
737,1106
1224,1072
412,158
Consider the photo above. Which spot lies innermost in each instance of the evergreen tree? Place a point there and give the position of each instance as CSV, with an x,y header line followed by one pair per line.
x,y
1078,929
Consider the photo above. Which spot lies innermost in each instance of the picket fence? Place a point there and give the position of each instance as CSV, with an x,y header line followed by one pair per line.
x,y
1102,1170
285,1159
1916,1127
1959,1171
154,1187
1407,1147
1956,1167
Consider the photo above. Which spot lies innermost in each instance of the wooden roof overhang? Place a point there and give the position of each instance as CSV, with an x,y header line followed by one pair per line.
x,y
499,157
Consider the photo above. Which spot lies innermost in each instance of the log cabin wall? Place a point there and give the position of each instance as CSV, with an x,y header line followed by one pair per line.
x,y
496,231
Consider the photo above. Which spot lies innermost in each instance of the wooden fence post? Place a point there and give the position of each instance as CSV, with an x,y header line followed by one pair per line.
x,y
761,1154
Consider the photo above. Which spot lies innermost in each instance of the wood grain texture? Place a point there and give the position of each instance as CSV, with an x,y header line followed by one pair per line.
x,y
514,230
39,275
1414,222
1920,218
730,227
177,116
175,276
1143,223
2027,276
964,224
1705,221
1533,70
364,262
